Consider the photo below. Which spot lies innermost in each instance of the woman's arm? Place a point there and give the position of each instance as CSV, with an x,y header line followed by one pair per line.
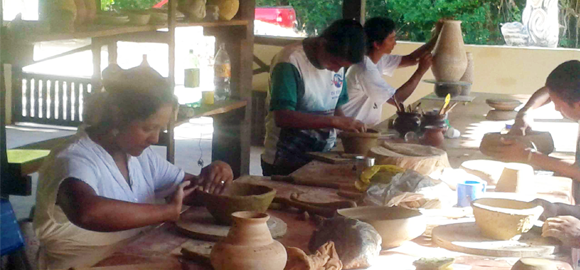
x,y
294,119
413,58
84,208
409,87
522,122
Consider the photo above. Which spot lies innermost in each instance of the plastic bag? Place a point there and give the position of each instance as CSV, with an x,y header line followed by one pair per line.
x,y
411,190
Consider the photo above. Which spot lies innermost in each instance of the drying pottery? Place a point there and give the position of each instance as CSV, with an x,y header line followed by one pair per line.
x,y
535,264
449,58
433,136
357,243
514,177
539,140
503,104
227,8
502,219
194,10
407,122
488,170
442,90
249,245
158,17
238,197
467,76
421,158
359,143
395,224
497,115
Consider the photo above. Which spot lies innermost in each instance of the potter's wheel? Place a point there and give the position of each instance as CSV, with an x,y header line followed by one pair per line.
x,y
198,223
503,109
457,88
465,237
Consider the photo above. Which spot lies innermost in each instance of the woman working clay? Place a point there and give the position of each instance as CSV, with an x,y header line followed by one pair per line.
x,y
100,188
367,90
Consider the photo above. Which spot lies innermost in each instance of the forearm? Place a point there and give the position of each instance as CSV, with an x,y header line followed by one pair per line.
x,y
540,98
408,87
339,112
563,209
558,166
108,215
299,120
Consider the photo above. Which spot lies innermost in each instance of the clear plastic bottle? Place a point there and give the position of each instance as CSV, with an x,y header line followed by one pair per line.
x,y
222,74
191,71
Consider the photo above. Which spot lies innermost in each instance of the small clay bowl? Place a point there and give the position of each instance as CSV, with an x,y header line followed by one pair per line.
x,y
395,224
503,104
503,219
238,197
359,143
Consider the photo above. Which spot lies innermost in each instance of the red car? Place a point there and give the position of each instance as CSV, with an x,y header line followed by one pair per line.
x,y
282,16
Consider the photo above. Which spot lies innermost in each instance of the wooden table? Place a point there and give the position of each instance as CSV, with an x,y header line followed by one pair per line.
x,y
469,119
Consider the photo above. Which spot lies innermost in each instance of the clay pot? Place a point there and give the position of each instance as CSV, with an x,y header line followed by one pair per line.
x,y
395,224
238,197
502,219
227,8
406,122
467,76
359,143
497,115
503,104
433,136
249,245
449,58
433,118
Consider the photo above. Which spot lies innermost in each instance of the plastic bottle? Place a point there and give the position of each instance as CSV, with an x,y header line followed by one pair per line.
x,y
191,71
222,74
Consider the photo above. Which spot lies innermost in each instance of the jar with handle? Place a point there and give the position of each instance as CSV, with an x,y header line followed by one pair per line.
x,y
249,245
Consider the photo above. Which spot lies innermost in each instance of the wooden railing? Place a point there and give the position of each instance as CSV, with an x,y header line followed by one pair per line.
x,y
49,99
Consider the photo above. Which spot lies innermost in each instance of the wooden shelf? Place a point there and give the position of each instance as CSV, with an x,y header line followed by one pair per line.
x,y
218,107
93,31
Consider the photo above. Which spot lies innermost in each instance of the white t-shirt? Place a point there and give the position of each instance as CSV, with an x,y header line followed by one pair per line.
x,y
65,245
367,90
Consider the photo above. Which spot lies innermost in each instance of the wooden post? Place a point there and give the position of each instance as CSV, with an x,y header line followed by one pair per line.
x,y
96,46
354,9
171,78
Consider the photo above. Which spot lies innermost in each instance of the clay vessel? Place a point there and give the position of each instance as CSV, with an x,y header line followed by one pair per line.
x,y
502,219
359,143
395,224
467,76
513,177
227,8
449,58
433,118
503,104
237,197
433,136
540,140
406,122
249,245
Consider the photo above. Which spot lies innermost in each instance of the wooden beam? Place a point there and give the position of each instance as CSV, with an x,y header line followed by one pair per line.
x,y
171,77
354,9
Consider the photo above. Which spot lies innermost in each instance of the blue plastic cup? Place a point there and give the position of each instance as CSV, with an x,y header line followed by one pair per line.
x,y
468,191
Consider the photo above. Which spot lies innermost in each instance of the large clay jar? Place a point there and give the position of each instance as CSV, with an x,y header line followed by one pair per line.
x,y
449,59
467,76
249,245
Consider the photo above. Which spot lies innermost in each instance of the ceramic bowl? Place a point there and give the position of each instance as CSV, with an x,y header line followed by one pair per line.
x,y
359,143
503,219
238,197
503,104
540,140
395,224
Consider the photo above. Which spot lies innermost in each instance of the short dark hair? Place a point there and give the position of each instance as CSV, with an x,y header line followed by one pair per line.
x,y
377,29
345,38
564,81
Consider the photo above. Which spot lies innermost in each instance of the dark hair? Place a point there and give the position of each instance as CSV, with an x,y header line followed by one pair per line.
x,y
134,94
564,81
377,29
345,39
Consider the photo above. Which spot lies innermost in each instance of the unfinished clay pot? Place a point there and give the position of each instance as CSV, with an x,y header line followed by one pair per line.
x,y
514,177
540,140
249,245
396,225
467,76
238,197
488,170
449,58
433,136
359,143
502,219
503,104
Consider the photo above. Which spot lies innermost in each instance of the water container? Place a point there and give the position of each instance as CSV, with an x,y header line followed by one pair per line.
x,y
11,239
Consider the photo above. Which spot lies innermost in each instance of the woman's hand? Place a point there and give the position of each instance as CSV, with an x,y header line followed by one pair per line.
x,y
215,177
349,124
521,125
425,62
176,202
508,150
564,228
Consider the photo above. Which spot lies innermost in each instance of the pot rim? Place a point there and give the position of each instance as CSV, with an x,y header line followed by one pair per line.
x,y
265,194
414,214
537,209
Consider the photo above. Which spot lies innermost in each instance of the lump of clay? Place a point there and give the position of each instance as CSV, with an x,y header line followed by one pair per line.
x,y
325,258
357,243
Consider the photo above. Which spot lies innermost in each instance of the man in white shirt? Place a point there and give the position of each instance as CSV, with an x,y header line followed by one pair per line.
x,y
367,90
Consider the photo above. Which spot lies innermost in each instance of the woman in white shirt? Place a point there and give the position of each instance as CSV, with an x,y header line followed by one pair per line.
x,y
101,186
367,90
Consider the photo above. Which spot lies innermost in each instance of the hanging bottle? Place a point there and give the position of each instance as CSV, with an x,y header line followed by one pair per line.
x,y
222,74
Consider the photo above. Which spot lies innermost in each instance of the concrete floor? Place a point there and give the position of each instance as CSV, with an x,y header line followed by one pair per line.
x,y
193,141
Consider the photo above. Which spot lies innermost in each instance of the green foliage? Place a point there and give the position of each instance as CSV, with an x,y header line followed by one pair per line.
x,y
127,4
313,15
